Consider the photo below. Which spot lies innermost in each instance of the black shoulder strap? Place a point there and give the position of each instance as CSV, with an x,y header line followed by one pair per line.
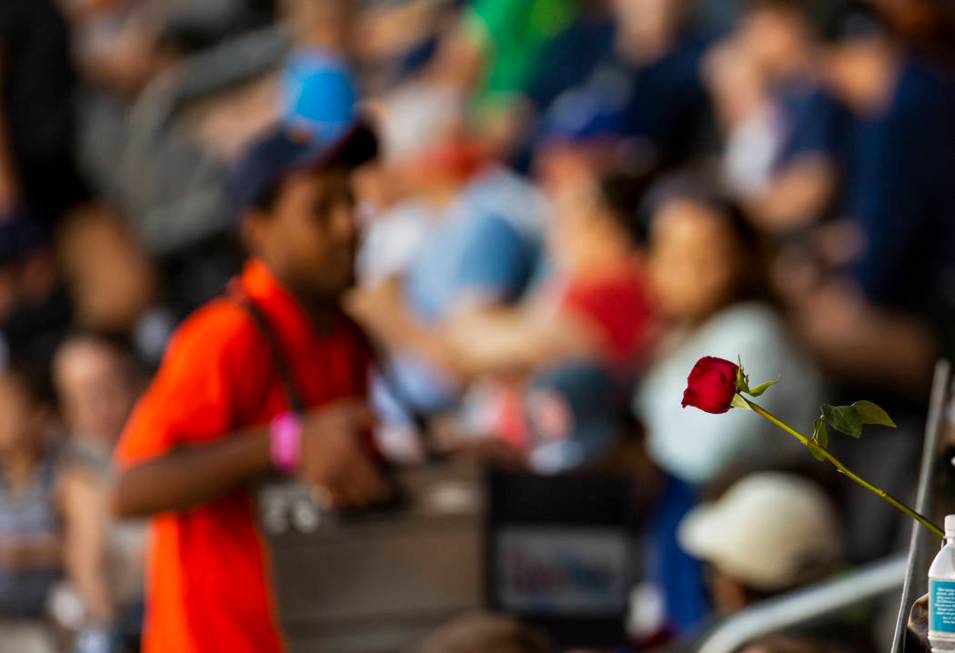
x,y
296,401
385,368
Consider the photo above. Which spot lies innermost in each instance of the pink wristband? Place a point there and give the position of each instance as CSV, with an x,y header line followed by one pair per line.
x,y
286,442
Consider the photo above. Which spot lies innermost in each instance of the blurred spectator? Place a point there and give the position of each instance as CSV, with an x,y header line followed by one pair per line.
x,y
785,147
111,279
96,387
596,304
485,633
886,315
30,518
398,218
493,54
38,174
116,43
572,55
926,27
396,40
319,25
770,533
121,45
646,88
483,247
705,262
35,308
578,148
666,103
898,193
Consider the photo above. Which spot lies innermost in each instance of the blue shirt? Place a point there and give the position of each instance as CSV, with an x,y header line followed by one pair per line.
x,y
813,123
662,103
570,58
670,105
901,193
678,575
483,250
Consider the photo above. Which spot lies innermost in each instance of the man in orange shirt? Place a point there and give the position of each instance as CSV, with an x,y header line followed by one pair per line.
x,y
269,377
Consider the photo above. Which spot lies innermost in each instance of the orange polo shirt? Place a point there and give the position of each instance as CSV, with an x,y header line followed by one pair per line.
x,y
207,576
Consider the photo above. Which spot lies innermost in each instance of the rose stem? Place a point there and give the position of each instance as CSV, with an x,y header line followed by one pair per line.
x,y
920,518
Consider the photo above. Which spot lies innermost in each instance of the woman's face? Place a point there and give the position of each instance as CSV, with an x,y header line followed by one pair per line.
x,y
694,260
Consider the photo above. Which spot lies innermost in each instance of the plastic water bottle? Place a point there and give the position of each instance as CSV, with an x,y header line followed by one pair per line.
x,y
941,593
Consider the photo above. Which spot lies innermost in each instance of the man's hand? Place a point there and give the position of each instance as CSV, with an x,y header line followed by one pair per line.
x,y
334,459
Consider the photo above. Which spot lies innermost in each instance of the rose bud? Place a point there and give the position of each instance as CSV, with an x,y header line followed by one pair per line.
x,y
711,385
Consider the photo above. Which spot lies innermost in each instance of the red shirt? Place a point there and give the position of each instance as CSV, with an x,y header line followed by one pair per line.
x,y
208,586
618,307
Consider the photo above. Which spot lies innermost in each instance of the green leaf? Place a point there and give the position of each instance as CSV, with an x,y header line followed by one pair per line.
x,y
761,388
816,451
742,379
870,413
739,402
844,419
820,434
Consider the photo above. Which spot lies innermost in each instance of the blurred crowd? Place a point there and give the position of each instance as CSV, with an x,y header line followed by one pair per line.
x,y
574,200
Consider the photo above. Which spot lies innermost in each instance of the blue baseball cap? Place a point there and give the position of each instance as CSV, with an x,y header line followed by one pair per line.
x,y
589,112
318,94
282,151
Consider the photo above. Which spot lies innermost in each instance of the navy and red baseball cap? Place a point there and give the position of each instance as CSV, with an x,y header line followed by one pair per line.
x,y
282,151
320,129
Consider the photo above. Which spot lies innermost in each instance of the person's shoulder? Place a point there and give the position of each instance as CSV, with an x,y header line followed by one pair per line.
x,y
221,316
922,88
219,326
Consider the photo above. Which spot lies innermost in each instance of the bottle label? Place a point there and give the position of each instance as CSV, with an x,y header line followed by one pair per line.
x,y
942,606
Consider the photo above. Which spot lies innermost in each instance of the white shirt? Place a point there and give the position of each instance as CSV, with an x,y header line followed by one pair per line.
x,y
391,241
698,447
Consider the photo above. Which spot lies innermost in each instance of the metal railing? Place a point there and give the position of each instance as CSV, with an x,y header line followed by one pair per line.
x,y
921,546
805,606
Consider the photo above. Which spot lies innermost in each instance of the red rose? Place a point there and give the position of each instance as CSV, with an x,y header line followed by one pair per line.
x,y
711,385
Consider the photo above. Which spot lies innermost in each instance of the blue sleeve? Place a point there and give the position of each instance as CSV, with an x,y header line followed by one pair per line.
x,y
498,261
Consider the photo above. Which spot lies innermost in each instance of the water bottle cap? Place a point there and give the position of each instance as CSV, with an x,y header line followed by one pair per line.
x,y
950,526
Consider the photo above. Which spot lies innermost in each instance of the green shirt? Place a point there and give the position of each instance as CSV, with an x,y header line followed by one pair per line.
x,y
513,34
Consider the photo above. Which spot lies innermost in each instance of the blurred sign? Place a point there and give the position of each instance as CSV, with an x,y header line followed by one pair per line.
x,y
584,571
